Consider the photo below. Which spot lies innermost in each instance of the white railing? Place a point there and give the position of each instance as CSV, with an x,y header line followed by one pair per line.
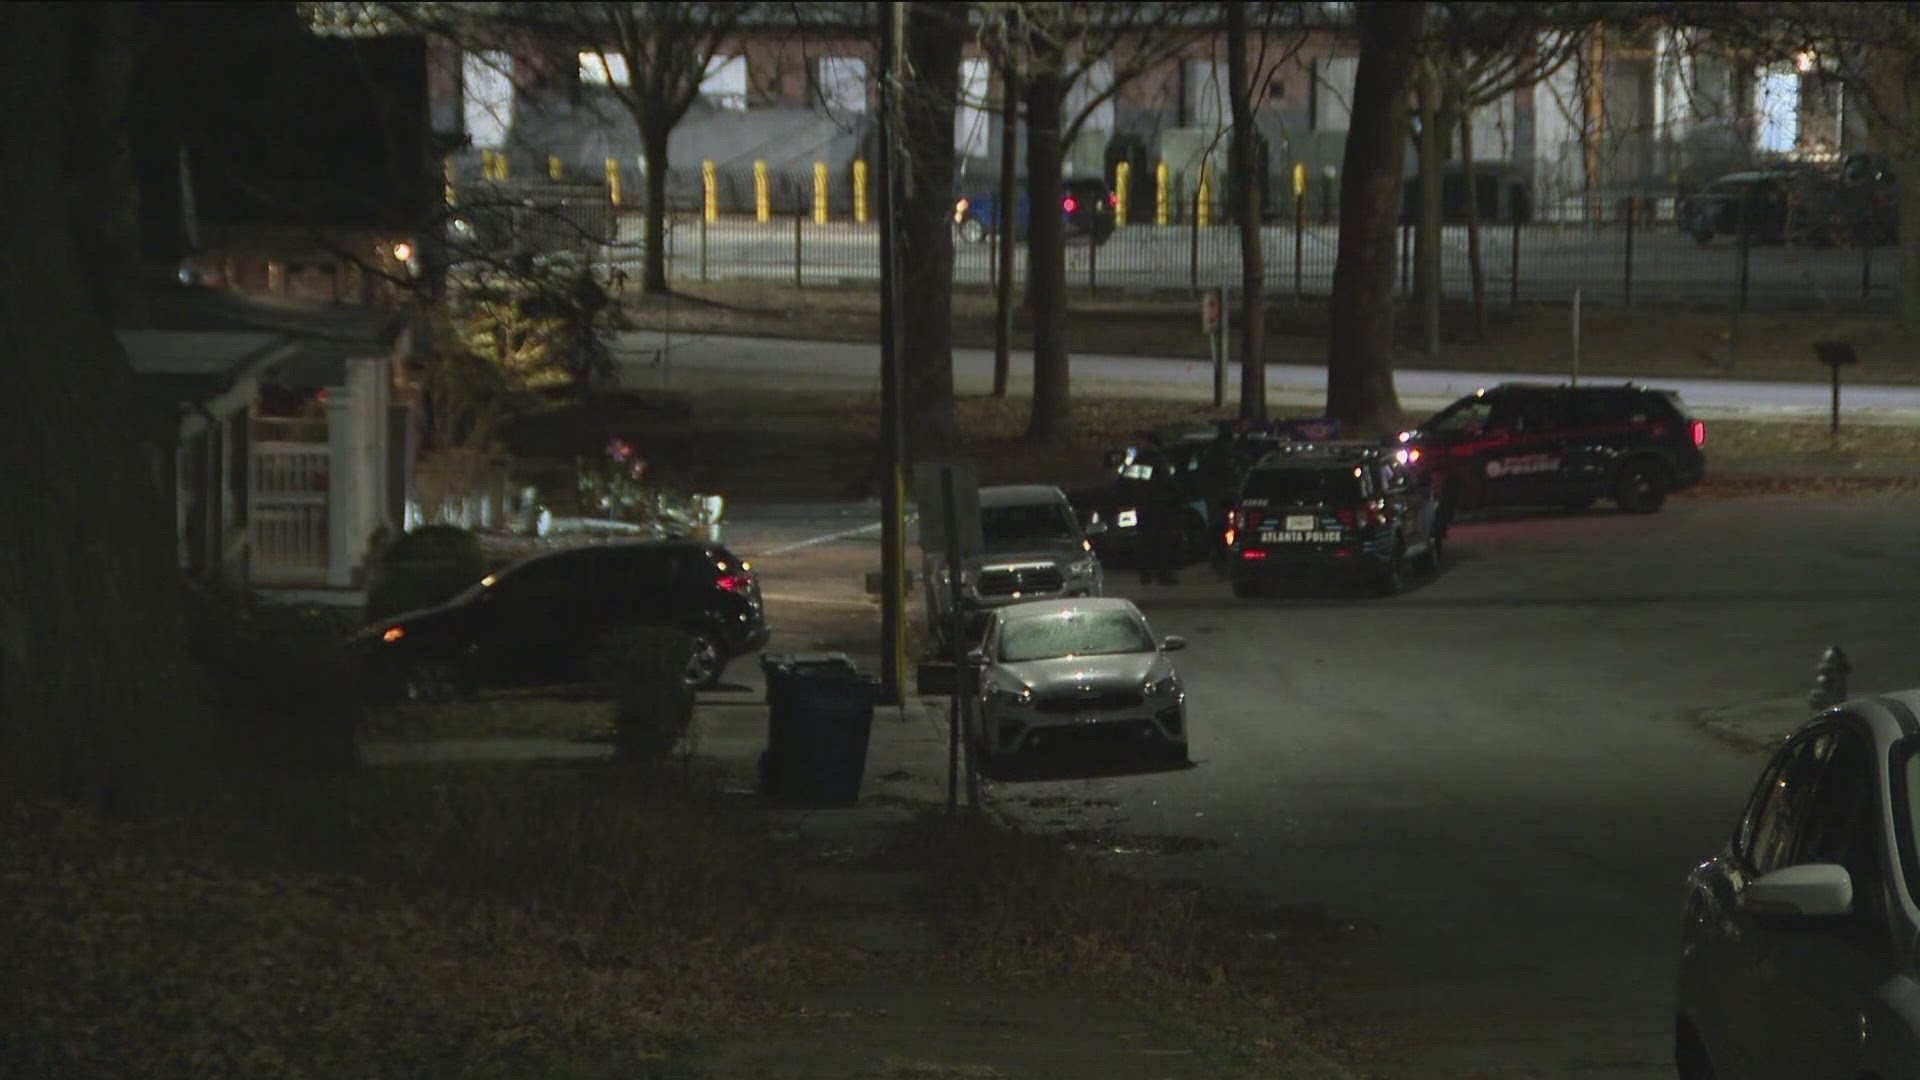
x,y
289,504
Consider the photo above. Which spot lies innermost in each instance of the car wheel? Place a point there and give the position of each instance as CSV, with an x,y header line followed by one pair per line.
x,y
704,663
1641,487
973,230
1393,577
1436,550
429,681
1690,1057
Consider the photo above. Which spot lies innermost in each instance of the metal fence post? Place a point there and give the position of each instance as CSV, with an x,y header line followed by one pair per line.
x,y
1406,257
1193,249
1299,244
797,218
1627,282
1744,248
1513,259
1093,264
1866,262
704,218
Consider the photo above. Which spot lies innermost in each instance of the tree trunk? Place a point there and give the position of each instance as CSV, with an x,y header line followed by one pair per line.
x,y
654,139
1475,270
934,40
1246,183
1429,234
1003,283
1360,388
1046,251
97,696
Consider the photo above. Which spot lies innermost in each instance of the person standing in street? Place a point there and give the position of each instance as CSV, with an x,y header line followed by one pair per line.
x,y
1159,508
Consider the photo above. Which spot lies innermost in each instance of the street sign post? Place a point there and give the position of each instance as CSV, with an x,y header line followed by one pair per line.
x,y
1213,323
1836,355
949,498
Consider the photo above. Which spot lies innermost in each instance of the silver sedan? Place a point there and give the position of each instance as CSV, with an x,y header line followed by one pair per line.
x,y
1085,670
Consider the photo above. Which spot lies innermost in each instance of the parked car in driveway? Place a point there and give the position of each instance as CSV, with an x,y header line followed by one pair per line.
x,y
1756,202
1086,203
1036,549
1060,672
1800,949
539,621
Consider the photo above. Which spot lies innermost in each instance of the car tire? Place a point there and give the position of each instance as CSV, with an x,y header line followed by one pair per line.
x,y
1393,576
973,230
706,663
1641,487
1690,1058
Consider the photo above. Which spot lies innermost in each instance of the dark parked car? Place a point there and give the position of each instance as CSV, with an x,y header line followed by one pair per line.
x,y
1315,510
538,622
1087,204
1529,444
1717,210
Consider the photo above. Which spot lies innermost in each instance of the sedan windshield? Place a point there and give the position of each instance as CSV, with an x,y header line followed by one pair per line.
x,y
1003,525
1073,633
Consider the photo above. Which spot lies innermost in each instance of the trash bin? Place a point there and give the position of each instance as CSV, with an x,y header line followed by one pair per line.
x,y
819,717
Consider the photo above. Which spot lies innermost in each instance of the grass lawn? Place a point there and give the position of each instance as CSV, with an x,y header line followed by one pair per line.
x,y
499,715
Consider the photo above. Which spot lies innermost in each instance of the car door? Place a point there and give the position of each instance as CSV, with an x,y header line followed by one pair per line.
x,y
1817,972
1520,463
1598,430
639,589
1742,1018
537,621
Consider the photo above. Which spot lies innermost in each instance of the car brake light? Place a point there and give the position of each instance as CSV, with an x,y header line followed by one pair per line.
x,y
1071,204
733,582
1113,199
1699,434
1230,535
393,634
1253,553
1345,516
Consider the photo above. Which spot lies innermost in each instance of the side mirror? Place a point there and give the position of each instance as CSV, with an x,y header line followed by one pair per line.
x,y
976,658
1808,891
1174,643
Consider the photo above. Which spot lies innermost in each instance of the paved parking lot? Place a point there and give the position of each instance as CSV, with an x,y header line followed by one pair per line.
x,y
1494,780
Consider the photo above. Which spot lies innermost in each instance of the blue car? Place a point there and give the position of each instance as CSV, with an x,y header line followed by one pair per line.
x,y
1087,204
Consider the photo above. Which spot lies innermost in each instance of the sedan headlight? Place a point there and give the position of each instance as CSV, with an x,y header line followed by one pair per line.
x,y
1085,568
1001,694
1163,687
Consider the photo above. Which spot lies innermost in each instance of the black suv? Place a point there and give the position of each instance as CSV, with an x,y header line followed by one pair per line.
x,y
537,622
1317,509
1526,444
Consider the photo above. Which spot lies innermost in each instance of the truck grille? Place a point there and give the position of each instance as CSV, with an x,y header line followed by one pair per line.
x,y
1007,580
1082,701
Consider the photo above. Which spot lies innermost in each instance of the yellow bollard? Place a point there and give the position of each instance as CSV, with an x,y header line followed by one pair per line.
x,y
1204,214
486,165
710,191
500,165
555,170
860,190
1122,173
1161,196
762,204
819,193
447,168
613,180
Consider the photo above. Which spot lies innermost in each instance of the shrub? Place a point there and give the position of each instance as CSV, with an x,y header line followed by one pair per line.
x,y
286,701
646,671
427,566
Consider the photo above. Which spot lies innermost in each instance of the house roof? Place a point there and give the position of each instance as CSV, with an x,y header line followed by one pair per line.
x,y
320,340
200,358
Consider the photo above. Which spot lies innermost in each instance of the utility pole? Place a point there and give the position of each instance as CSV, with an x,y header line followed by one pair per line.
x,y
893,528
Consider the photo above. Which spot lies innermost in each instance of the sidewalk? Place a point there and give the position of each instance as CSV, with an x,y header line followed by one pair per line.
x,y
921,1025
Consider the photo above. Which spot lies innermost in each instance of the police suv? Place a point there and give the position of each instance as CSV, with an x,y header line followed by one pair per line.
x,y
1311,511
1532,444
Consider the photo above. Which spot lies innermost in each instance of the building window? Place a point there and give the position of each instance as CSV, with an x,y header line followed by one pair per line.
x,y
841,82
486,84
725,86
973,120
603,69
1333,80
1206,94
1095,81
1776,109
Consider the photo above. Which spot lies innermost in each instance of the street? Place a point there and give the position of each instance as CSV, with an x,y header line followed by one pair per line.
x,y
656,358
1492,780
1668,267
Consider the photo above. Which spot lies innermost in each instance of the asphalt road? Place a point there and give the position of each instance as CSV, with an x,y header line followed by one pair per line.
x,y
656,358
1492,780
1554,259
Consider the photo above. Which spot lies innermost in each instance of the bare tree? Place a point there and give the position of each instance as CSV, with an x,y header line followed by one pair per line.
x,y
667,50
1870,50
1360,388
1054,46
930,89
96,686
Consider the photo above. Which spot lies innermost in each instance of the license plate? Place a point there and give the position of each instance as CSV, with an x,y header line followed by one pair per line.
x,y
1301,522
1313,536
